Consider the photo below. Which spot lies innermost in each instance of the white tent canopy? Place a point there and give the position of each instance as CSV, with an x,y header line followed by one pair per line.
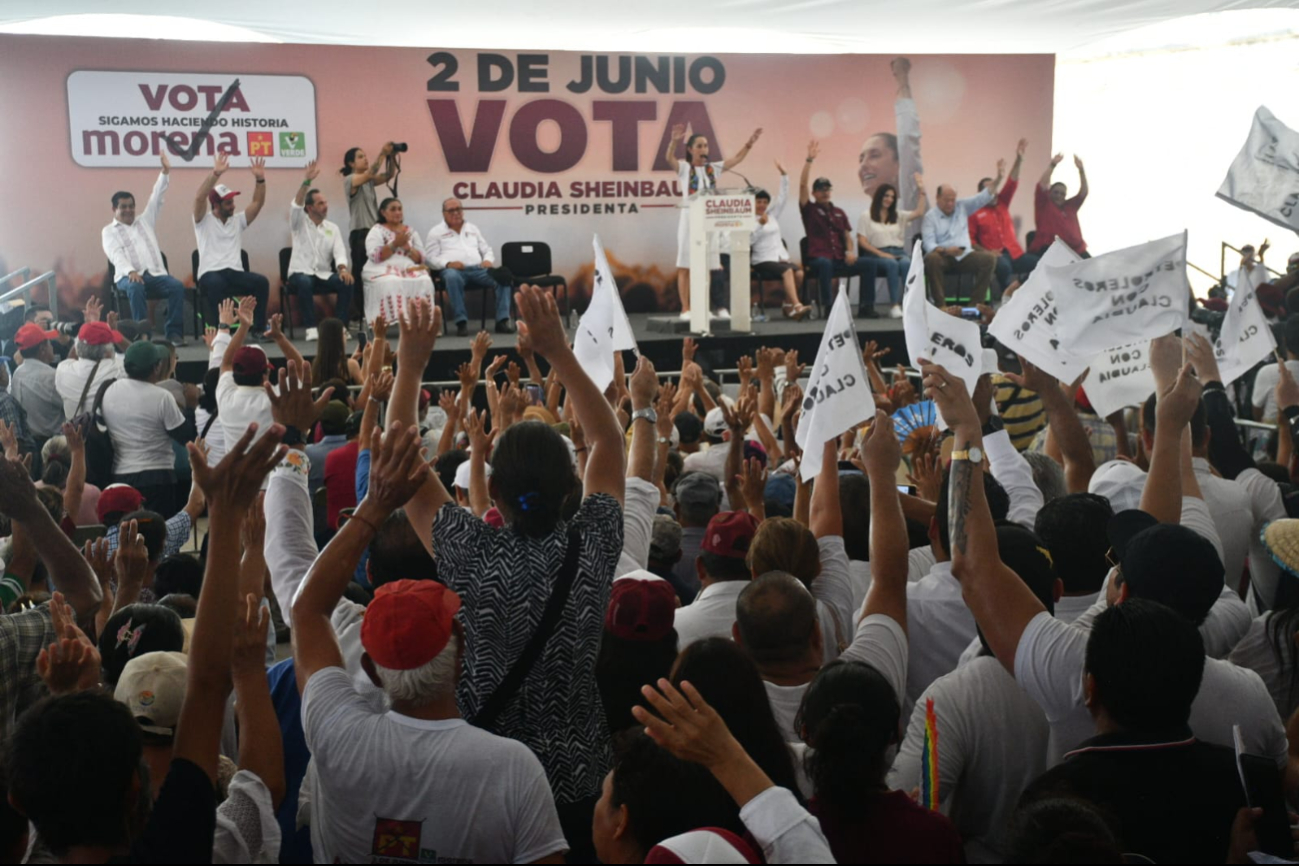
x,y
805,26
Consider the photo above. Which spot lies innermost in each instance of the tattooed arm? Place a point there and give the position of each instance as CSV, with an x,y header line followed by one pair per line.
x,y
1002,604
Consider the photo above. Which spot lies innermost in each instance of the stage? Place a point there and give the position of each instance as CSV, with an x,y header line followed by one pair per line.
x,y
719,351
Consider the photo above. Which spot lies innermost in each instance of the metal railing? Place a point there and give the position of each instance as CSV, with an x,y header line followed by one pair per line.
x,y
25,290
21,273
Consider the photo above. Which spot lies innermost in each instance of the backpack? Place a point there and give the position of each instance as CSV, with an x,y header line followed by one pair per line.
x,y
99,445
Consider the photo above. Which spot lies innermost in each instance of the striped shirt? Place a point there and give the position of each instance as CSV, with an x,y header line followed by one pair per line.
x,y
1020,409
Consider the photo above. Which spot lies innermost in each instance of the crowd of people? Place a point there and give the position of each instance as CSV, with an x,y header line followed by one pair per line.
x,y
619,626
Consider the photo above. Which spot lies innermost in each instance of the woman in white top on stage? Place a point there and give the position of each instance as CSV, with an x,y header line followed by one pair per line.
x,y
767,252
880,235
696,175
394,269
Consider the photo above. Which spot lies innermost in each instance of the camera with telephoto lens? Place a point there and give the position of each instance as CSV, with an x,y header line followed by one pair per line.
x,y
1211,319
400,147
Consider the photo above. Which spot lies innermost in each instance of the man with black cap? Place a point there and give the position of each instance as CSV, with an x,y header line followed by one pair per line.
x,y
698,499
831,242
142,421
413,779
219,232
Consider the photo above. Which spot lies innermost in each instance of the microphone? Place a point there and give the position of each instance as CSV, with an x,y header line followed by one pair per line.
x,y
749,187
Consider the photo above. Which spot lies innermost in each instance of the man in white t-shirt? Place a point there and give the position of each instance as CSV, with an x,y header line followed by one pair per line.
x,y
79,379
416,783
142,421
319,263
241,393
1264,394
219,232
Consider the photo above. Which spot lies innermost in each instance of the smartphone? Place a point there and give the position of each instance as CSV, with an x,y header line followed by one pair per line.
x,y
910,491
970,313
361,340
1263,790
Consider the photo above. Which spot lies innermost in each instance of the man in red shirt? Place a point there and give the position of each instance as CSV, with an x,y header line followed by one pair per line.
x,y
1057,216
992,229
340,473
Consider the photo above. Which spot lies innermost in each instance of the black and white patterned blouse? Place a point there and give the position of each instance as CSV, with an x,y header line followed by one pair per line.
x,y
504,579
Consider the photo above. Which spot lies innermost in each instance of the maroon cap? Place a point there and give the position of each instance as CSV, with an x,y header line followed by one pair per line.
x,y
98,334
408,623
641,609
30,335
118,498
730,533
250,361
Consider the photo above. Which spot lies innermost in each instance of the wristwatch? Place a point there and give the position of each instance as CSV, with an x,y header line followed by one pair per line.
x,y
647,413
974,454
995,425
292,436
664,440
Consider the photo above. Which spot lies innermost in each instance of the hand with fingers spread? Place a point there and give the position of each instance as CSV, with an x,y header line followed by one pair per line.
x,y
766,365
902,392
1203,358
745,365
233,484
926,473
96,553
1287,390
479,440
419,325
9,440
511,406
793,397
226,312
793,369
276,329
209,337
950,396
468,376
293,406
688,349
644,382
539,313
71,663
449,402
478,349
93,310
1033,378
753,481
381,386
513,374
131,562
684,724
495,366
743,413
397,468
667,398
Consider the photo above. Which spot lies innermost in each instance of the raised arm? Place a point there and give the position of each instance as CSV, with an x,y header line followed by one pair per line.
x,y
1082,182
291,353
642,454
827,516
231,488
1002,604
804,190
881,452
1045,180
220,163
480,446
258,166
1178,395
606,457
261,747
385,160
1065,427
743,152
247,305
1019,162
674,143
313,171
74,489
397,471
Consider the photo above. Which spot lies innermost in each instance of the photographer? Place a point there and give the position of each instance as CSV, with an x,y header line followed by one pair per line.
x,y
359,180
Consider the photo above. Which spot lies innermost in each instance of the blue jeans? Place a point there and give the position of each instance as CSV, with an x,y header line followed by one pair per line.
x,y
826,270
307,286
157,286
456,280
216,286
894,270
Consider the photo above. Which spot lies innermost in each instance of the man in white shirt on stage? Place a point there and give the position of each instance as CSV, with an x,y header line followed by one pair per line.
x,y
131,245
219,232
460,252
319,264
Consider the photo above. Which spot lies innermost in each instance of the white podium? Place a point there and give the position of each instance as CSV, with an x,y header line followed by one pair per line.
x,y
714,215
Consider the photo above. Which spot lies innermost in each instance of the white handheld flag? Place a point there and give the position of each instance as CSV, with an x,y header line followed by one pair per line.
x,y
1028,323
1245,337
954,343
1127,296
1264,176
838,394
623,338
1118,378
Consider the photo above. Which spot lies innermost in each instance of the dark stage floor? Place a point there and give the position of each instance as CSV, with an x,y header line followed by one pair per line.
x,y
721,349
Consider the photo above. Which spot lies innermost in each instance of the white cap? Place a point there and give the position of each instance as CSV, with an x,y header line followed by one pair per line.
x,y
1119,481
153,688
462,474
715,423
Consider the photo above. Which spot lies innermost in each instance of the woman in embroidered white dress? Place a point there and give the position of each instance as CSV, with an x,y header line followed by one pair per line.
x,y
394,269
695,175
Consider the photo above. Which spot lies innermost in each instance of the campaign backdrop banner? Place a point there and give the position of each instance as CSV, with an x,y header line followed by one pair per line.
x,y
540,146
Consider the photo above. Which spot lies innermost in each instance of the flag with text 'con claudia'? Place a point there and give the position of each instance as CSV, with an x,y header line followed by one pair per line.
x,y
1128,296
1264,176
1029,322
838,394
1245,337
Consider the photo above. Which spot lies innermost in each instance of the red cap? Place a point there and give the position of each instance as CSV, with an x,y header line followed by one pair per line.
x,y
251,361
118,498
408,623
98,334
1218,305
641,609
30,335
1270,299
730,533
493,517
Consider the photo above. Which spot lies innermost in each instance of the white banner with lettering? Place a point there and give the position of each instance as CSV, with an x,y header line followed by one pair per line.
x,y
623,338
1245,337
838,394
944,339
1028,323
1264,176
1127,296
1120,377
127,118
603,328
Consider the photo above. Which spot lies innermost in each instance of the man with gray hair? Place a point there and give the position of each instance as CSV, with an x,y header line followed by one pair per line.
x,y
416,781
457,251
78,379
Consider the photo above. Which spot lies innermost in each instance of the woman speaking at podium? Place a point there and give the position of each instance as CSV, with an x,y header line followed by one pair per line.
x,y
394,271
697,175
